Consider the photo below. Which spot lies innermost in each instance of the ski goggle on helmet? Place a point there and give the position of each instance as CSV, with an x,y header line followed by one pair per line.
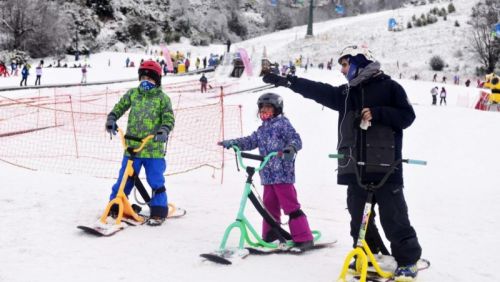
x,y
272,99
355,50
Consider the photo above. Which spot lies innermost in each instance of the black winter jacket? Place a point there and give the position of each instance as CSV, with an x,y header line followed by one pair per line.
x,y
382,142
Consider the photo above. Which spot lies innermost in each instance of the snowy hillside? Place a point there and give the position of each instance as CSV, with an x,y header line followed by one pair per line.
x,y
406,52
452,201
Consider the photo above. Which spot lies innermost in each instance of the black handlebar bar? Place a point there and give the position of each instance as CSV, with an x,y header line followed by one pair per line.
x,y
252,156
130,137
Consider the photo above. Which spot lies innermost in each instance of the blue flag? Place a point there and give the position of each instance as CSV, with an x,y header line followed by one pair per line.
x,y
392,23
274,2
339,9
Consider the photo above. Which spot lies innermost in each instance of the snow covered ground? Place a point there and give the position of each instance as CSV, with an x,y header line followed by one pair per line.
x,y
452,201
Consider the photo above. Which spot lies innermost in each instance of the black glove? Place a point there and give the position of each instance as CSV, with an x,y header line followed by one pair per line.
x,y
289,153
227,144
162,134
111,126
275,79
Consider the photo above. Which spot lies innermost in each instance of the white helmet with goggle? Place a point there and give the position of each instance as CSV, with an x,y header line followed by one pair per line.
x,y
354,50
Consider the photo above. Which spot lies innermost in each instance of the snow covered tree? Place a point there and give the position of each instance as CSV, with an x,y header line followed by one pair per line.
x,y
33,26
486,46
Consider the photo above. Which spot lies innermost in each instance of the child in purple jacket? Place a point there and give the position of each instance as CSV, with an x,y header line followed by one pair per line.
x,y
277,134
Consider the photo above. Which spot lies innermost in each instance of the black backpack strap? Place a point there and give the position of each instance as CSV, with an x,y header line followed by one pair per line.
x,y
281,233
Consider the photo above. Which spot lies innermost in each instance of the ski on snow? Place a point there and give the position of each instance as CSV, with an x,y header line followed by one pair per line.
x,y
107,229
225,257
388,264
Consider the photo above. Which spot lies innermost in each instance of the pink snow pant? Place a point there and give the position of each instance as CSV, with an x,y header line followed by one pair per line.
x,y
284,196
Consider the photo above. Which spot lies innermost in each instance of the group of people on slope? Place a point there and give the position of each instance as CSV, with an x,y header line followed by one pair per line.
x,y
442,95
372,108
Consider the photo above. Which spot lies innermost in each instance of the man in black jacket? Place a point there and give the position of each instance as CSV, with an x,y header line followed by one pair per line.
x,y
373,111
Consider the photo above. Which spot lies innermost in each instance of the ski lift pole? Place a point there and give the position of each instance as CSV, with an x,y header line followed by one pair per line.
x,y
310,19
362,251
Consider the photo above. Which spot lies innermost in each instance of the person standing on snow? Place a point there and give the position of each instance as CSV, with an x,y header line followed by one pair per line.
x,y
150,113
372,108
442,95
24,74
434,93
197,63
277,134
228,44
38,72
187,63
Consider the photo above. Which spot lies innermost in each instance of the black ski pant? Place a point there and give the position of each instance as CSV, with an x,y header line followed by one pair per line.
x,y
393,217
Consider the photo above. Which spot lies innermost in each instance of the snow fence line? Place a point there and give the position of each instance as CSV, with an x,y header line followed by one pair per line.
x,y
14,88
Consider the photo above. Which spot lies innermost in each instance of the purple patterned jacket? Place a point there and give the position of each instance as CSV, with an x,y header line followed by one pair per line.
x,y
273,135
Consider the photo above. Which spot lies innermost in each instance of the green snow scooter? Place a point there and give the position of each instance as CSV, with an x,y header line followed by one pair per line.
x,y
259,246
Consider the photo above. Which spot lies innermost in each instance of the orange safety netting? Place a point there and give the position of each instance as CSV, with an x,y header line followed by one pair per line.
x,y
63,131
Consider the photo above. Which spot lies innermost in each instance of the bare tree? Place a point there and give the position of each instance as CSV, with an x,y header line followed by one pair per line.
x,y
33,26
16,22
487,46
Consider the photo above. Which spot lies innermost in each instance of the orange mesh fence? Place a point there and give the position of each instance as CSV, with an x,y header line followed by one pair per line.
x,y
63,131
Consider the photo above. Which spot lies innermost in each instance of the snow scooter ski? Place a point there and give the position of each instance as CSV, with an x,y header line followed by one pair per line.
x,y
126,212
258,247
377,272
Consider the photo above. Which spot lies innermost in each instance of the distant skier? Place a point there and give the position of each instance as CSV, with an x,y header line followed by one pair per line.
x,y
372,108
84,74
467,83
150,113
228,44
277,134
204,82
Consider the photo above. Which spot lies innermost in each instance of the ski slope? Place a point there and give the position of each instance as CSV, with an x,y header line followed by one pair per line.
x,y
452,201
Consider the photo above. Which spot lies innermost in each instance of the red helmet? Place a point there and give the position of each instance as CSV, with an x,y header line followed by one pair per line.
x,y
151,69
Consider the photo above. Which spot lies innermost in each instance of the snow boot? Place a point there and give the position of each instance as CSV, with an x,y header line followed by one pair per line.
x,y
406,273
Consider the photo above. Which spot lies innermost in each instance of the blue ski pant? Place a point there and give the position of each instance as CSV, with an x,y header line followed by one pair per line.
x,y
154,168
394,218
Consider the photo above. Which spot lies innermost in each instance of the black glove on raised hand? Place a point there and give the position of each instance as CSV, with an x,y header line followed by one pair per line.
x,y
161,134
111,126
275,79
227,143
289,153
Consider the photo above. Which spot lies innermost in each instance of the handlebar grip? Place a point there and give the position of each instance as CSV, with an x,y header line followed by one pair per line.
x,y
252,156
417,162
336,156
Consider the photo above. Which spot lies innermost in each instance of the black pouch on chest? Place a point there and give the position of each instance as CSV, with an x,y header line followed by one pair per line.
x,y
380,148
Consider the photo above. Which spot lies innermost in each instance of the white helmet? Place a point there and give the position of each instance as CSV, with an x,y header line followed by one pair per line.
x,y
354,50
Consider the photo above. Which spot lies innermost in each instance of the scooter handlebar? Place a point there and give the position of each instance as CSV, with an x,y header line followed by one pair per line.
x,y
143,141
416,162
